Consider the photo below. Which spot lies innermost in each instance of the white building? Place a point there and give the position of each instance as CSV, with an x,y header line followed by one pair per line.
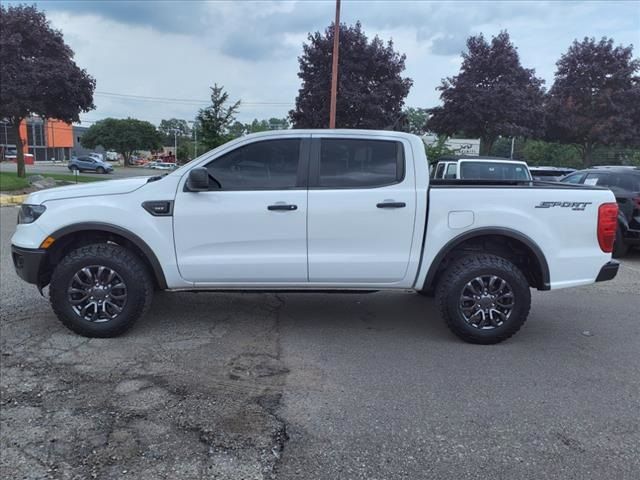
x,y
461,146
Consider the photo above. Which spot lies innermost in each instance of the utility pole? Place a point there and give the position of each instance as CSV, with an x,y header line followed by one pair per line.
x,y
513,142
195,137
175,145
334,68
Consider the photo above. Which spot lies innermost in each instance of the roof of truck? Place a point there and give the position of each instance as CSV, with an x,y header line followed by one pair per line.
x,y
457,158
333,131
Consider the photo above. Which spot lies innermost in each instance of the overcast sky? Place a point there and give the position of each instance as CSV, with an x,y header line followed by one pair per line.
x,y
177,49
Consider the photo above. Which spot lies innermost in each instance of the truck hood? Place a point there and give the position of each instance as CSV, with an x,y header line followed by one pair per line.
x,y
91,189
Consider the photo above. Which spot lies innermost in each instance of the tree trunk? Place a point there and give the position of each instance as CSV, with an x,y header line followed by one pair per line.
x,y
19,148
486,144
587,154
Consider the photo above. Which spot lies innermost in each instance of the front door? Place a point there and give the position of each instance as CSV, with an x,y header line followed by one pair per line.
x,y
253,229
362,206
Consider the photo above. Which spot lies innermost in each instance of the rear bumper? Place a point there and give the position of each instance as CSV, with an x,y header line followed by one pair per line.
x,y
27,263
608,271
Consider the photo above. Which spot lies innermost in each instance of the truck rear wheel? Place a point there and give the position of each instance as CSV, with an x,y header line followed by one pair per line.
x,y
484,299
100,290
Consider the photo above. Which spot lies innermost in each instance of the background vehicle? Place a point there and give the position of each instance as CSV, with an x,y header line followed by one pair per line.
x,y
624,182
480,168
163,166
328,210
550,174
11,155
87,163
96,156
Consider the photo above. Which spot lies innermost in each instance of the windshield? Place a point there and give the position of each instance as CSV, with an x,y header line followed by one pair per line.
x,y
484,170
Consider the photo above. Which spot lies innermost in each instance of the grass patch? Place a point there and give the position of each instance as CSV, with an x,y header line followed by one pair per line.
x,y
10,181
82,178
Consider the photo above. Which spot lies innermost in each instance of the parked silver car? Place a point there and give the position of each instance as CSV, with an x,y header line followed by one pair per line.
x,y
87,163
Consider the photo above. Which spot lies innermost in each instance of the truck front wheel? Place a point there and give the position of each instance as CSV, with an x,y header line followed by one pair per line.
x,y
100,290
484,299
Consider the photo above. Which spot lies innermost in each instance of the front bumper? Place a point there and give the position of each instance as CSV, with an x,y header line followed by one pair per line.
x,y
608,271
27,262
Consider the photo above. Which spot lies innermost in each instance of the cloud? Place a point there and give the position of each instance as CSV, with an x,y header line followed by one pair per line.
x,y
448,45
172,17
178,49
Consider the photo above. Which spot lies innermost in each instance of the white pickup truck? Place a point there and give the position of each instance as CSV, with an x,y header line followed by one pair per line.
x,y
480,168
313,210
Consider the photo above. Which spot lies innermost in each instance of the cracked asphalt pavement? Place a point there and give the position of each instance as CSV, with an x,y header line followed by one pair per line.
x,y
321,386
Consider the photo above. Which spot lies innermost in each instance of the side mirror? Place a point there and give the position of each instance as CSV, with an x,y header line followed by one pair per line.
x,y
198,180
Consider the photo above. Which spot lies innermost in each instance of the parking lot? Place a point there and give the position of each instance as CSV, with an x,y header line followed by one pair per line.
x,y
318,386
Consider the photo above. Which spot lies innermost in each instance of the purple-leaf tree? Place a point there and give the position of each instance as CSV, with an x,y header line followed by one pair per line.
x,y
371,89
38,73
492,96
595,98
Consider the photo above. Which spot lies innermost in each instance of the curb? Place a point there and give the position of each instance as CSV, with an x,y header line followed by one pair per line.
x,y
10,200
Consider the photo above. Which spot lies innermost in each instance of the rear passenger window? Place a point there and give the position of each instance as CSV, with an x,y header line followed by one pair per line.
x,y
360,163
626,182
577,178
452,169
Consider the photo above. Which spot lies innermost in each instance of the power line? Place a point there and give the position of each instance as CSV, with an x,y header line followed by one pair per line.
x,y
185,101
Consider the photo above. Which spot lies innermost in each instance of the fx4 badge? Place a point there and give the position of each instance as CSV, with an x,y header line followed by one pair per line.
x,y
571,205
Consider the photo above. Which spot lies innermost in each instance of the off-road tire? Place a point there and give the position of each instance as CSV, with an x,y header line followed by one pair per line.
x,y
129,267
452,283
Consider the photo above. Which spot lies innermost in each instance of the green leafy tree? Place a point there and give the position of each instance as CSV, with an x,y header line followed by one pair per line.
x,y
184,152
168,127
438,149
216,120
539,152
502,148
237,129
595,97
125,136
492,96
279,123
415,120
258,126
39,75
371,89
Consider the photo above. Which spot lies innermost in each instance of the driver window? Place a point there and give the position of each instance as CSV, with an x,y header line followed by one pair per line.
x,y
266,165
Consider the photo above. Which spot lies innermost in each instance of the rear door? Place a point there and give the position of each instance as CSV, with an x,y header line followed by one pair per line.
x,y
362,207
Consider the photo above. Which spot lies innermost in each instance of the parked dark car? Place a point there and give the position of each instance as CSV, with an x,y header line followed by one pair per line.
x,y
550,174
624,182
87,163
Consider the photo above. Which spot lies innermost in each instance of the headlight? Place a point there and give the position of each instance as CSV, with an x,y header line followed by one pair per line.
x,y
30,213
